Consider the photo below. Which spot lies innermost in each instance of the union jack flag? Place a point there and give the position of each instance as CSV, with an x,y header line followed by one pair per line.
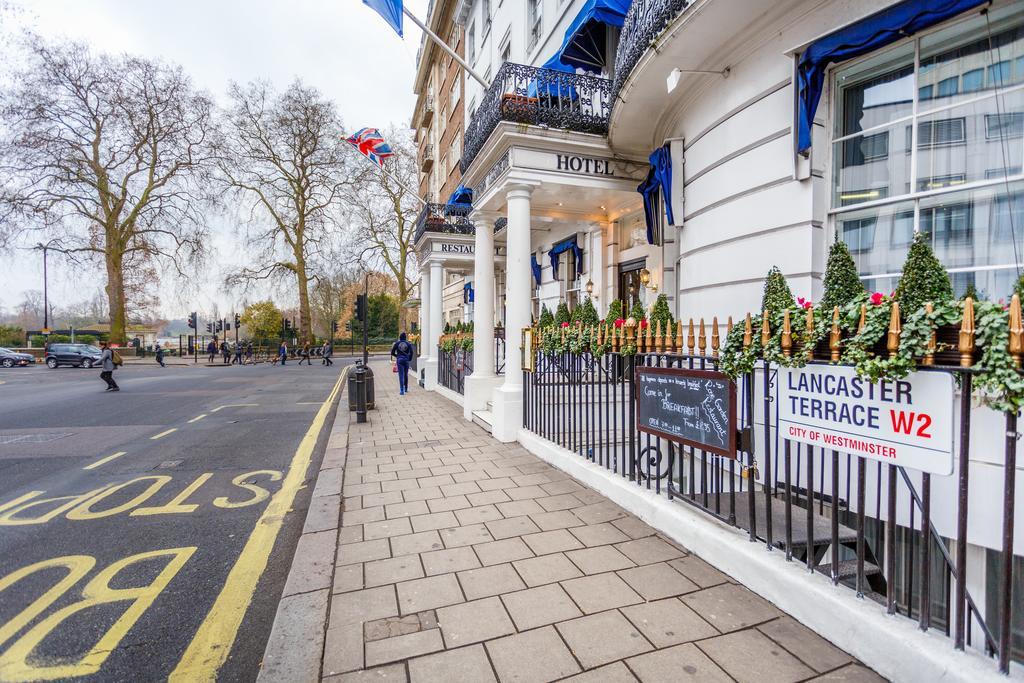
x,y
371,144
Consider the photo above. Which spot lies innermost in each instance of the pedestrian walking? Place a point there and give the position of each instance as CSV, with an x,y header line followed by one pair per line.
x,y
328,351
282,352
238,354
211,351
248,354
108,361
305,354
225,352
160,355
402,352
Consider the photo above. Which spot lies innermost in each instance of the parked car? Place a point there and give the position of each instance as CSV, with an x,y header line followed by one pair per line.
x,y
78,355
9,359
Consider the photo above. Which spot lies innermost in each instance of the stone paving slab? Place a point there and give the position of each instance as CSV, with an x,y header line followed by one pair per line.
x,y
460,558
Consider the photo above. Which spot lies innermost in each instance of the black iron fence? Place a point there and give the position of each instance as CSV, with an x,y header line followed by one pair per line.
x,y
864,524
444,218
540,97
455,365
645,21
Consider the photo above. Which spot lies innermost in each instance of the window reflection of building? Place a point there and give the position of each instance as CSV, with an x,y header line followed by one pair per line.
x,y
934,128
568,279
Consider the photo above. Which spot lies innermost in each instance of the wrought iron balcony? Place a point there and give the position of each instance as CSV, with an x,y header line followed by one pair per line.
x,y
645,21
427,161
539,97
444,218
428,110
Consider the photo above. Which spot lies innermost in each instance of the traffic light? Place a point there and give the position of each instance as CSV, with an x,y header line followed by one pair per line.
x,y
361,307
238,320
220,325
287,325
209,328
192,320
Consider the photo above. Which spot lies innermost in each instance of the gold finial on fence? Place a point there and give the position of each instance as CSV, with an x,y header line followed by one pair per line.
x,y
834,336
630,331
649,344
679,336
929,353
1016,343
659,344
966,345
714,336
766,332
863,318
600,334
787,335
810,334
728,326
666,341
690,341
892,340
702,339
616,337
748,332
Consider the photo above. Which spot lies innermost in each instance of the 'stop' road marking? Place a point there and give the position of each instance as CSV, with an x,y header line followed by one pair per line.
x,y
163,434
197,418
234,405
212,642
104,460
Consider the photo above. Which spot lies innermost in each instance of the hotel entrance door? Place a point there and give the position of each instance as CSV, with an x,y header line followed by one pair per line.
x,y
629,283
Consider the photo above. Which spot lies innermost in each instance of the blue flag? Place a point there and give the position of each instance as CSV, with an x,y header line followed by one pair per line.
x,y
391,10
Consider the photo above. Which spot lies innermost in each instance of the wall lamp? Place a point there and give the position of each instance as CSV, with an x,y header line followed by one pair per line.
x,y
676,74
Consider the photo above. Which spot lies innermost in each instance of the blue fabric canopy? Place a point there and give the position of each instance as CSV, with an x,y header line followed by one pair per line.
x,y
659,178
535,267
467,292
553,85
462,196
562,247
585,42
872,33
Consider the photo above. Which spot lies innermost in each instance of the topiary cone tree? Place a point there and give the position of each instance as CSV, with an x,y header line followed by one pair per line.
x,y
546,319
777,296
660,313
614,311
585,313
637,312
562,314
842,283
923,278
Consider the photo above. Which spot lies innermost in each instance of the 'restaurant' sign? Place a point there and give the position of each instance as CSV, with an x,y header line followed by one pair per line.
x,y
907,422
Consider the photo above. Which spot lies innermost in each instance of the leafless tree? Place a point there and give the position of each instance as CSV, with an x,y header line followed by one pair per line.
x,y
383,212
283,158
108,154
331,296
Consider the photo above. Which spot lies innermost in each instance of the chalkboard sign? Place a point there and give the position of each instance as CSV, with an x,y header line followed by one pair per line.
x,y
693,407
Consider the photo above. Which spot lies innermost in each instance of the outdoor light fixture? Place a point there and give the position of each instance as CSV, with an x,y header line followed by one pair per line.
x,y
676,74
645,280
590,289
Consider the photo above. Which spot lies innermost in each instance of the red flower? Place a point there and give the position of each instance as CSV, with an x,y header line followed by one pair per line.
x,y
619,322
565,324
877,298
804,303
643,323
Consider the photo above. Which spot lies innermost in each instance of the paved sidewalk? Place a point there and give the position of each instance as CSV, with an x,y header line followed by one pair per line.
x,y
464,559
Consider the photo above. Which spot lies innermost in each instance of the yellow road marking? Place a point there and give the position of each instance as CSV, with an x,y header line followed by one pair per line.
x,y
197,418
234,405
103,461
163,434
212,642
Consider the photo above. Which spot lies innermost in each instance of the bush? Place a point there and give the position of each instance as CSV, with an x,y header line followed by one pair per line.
x,y
777,295
923,279
585,313
661,313
637,312
1019,289
11,335
842,285
972,292
562,314
546,319
614,311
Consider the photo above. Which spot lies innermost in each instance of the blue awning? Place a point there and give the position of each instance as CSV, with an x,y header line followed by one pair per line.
x,y
659,178
585,44
463,196
467,292
878,30
552,85
562,247
535,267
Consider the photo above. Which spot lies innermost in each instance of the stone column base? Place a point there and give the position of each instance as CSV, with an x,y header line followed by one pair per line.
x,y
477,392
430,373
508,413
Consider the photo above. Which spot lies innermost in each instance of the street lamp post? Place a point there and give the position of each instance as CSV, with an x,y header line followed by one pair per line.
x,y
46,294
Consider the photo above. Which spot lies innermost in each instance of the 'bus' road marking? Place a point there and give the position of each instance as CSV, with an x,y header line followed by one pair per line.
x,y
197,418
102,461
163,434
212,642
234,405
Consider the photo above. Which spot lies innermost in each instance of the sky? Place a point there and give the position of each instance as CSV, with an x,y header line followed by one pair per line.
x,y
341,47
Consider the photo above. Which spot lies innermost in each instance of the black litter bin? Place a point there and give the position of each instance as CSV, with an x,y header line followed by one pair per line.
x,y
363,371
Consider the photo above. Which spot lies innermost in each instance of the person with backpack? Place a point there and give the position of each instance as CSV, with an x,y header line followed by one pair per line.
x,y
305,354
238,354
327,352
160,355
282,352
402,351
109,360
248,354
211,351
225,352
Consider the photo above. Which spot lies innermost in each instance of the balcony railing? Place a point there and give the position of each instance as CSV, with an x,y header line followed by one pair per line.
x,y
645,21
428,110
443,218
539,97
427,161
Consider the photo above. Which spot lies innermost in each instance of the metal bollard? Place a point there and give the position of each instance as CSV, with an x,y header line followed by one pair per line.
x,y
360,377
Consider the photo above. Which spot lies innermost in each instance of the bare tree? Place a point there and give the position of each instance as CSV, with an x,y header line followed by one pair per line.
x,y
383,212
283,156
331,297
108,154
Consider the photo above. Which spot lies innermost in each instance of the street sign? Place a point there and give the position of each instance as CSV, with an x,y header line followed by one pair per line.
x,y
906,422
693,407
46,330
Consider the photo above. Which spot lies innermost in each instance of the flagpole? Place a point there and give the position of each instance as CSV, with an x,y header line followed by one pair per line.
x,y
444,46
396,180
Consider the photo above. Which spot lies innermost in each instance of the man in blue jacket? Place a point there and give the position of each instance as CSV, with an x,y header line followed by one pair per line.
x,y
402,352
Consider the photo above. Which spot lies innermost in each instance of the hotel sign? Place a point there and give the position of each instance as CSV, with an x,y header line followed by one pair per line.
x,y
906,422
578,164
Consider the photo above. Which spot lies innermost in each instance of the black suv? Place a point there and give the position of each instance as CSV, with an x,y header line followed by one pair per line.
x,y
79,355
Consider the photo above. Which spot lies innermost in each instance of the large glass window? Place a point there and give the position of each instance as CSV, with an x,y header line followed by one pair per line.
x,y
928,136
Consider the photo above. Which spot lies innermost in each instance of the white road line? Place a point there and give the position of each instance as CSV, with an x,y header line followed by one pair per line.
x,y
163,434
234,405
102,461
197,418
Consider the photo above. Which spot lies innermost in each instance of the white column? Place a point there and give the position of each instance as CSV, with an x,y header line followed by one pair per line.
x,y
424,317
434,325
479,386
508,399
